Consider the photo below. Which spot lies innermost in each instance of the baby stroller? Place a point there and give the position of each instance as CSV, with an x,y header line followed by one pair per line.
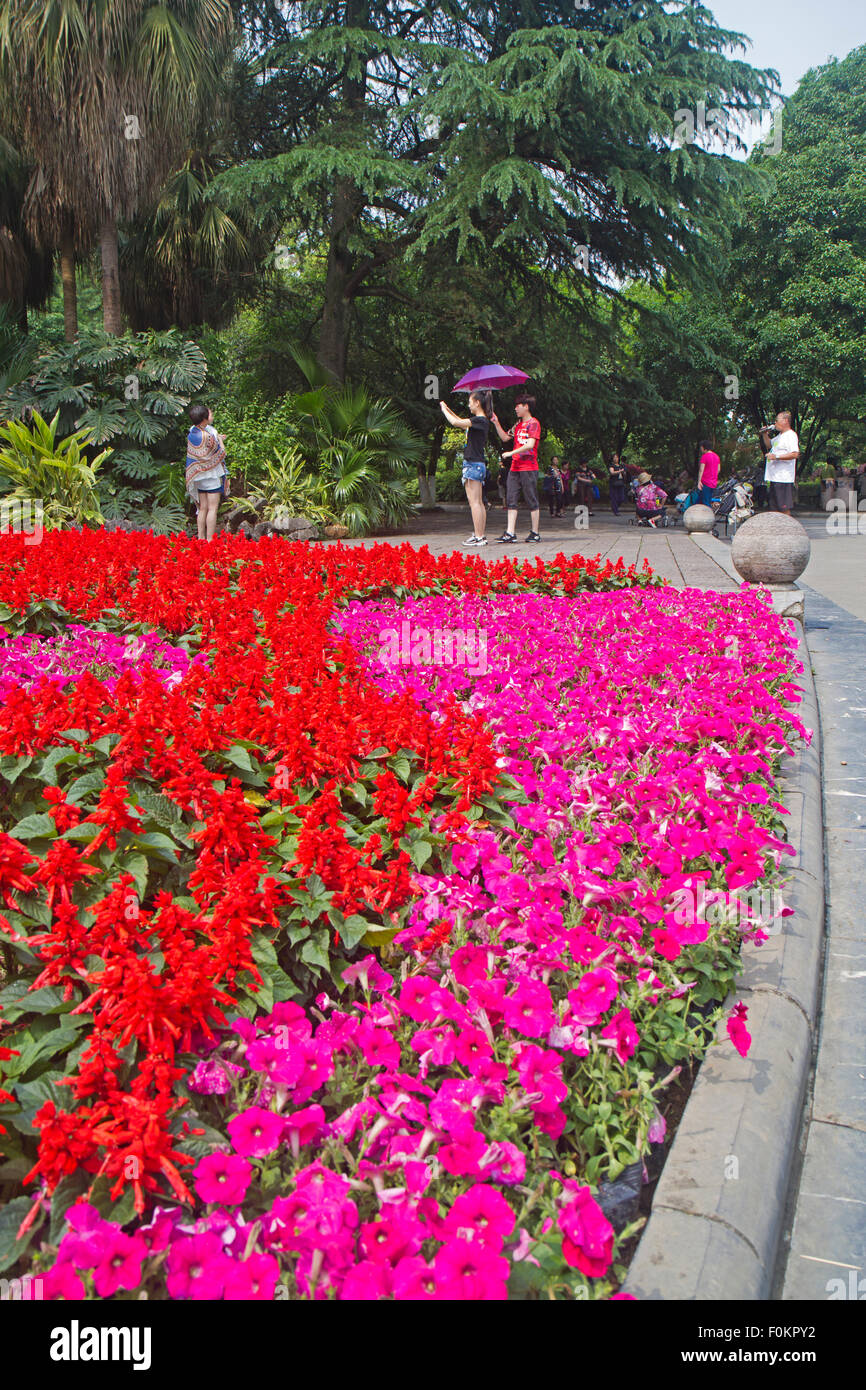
x,y
684,500
734,505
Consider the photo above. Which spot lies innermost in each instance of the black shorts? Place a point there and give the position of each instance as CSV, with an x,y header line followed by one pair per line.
x,y
781,495
525,483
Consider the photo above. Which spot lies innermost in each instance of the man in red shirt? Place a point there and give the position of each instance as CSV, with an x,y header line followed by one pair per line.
x,y
708,472
523,474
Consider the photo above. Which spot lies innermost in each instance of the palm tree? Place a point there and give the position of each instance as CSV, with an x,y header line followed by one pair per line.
x,y
26,273
192,258
102,95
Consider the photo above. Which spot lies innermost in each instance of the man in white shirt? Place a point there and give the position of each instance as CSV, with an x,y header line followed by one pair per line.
x,y
781,463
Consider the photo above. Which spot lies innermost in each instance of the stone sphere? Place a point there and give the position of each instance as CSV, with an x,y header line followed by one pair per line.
x,y
697,517
770,549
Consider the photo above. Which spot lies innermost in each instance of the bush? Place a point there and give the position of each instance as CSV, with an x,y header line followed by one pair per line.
x,y
131,391
55,473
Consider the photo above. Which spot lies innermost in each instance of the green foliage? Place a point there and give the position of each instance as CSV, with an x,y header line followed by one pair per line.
x,y
131,391
35,464
254,433
515,133
797,284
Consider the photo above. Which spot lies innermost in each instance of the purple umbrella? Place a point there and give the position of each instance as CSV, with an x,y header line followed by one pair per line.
x,y
494,377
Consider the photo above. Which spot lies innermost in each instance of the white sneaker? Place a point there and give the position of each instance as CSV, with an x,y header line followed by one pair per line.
x,y
471,540
481,540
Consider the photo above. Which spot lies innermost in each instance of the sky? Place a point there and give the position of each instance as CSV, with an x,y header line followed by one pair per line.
x,y
793,35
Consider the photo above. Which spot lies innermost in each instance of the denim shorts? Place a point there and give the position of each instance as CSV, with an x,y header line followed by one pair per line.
x,y
474,472
220,488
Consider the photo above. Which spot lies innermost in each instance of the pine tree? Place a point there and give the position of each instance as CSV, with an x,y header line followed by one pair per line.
x,y
542,131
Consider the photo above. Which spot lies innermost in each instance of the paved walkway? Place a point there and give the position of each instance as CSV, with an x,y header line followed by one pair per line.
x,y
827,1227
837,567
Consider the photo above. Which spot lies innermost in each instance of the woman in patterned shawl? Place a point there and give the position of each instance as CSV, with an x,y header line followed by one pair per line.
x,y
206,473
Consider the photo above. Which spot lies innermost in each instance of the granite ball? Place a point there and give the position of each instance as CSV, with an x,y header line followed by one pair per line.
x,y
699,518
770,549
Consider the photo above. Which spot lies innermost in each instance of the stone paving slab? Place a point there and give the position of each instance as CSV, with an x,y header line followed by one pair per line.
x,y
722,1264
830,1233
840,1090
828,1226
846,891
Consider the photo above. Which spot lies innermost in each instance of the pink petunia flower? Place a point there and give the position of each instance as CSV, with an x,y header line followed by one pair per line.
x,y
593,995
254,1278
587,1235
120,1265
737,1030
222,1177
414,1280
529,1010
304,1126
481,1212
197,1267
468,1270
256,1132
622,1030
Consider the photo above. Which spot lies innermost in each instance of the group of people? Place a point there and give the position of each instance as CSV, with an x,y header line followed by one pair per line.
x,y
562,486
207,477
521,482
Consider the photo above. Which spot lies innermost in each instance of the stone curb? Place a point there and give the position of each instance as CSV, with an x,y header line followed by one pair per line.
x,y
719,1208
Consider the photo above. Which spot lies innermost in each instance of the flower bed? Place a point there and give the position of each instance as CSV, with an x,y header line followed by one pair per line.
x,y
350,964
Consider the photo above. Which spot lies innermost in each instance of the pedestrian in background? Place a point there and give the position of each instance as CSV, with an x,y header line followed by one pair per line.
x,y
649,499
523,471
781,462
584,478
565,475
477,427
553,490
207,478
708,472
617,484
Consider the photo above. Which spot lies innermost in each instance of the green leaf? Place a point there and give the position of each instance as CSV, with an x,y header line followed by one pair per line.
x,y
160,845
121,1211
11,1216
137,865
88,782
315,951
400,766
66,1194
380,936
11,768
32,1095
37,827
239,756
419,852
16,1000
352,930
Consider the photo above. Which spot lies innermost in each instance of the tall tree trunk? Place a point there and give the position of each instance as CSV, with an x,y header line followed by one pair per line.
x,y
346,207
112,319
334,336
70,292
427,469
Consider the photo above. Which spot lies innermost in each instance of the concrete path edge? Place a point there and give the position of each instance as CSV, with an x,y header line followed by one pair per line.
x,y
719,1208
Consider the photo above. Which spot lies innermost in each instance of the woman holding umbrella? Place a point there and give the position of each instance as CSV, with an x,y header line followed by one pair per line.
x,y
474,466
